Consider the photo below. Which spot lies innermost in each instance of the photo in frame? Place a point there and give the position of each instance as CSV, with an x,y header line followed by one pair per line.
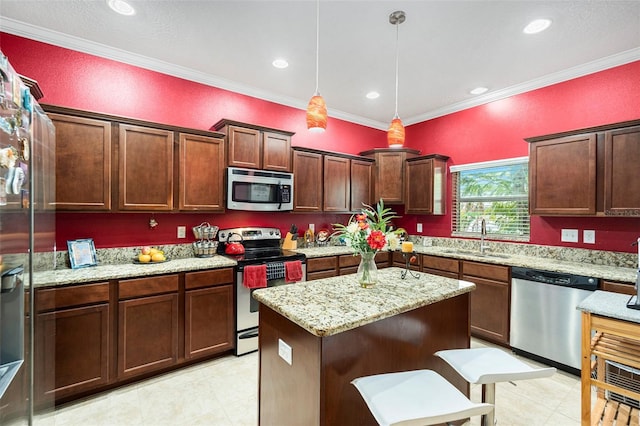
x,y
82,253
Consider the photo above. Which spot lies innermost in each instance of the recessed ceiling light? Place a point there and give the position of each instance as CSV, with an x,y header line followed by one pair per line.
x,y
280,63
373,95
479,90
121,7
537,26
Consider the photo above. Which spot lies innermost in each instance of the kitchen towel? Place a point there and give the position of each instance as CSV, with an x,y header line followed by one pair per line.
x,y
292,271
255,276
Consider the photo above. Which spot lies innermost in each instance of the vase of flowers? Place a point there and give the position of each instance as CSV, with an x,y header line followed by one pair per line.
x,y
367,233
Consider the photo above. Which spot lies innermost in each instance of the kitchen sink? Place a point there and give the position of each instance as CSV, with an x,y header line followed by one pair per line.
x,y
477,253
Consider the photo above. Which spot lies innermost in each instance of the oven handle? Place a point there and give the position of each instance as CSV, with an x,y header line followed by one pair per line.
x,y
248,334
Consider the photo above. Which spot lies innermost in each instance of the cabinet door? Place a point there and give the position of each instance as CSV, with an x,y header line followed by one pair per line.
x,y
361,184
72,351
82,163
390,177
145,168
208,321
147,334
419,184
201,173
490,309
307,186
337,183
245,147
621,183
276,152
562,176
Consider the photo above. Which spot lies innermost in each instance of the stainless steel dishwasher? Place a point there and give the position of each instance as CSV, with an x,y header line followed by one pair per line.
x,y
545,324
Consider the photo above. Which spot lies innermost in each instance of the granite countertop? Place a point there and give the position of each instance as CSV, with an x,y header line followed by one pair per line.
x,y
608,304
536,262
333,305
130,270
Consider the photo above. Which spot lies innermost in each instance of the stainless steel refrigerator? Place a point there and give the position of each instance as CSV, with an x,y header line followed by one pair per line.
x,y
27,234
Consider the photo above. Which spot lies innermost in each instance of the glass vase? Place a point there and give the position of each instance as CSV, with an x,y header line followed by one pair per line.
x,y
367,273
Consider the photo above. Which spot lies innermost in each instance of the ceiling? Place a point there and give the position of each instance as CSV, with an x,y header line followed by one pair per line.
x,y
446,48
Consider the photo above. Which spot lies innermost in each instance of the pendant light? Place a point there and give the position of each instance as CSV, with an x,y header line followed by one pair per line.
x,y
395,134
317,109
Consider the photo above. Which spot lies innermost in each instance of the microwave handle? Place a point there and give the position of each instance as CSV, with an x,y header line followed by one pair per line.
x,y
279,195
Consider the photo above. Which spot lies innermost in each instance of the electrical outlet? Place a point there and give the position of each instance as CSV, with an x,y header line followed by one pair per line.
x,y
182,232
589,236
284,351
419,227
569,235
312,226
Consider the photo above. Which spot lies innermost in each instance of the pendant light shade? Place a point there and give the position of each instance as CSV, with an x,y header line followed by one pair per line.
x,y
317,109
317,114
395,134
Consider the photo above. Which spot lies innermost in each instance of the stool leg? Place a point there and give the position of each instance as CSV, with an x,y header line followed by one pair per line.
x,y
489,396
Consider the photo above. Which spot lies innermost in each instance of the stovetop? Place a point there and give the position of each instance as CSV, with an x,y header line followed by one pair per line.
x,y
262,245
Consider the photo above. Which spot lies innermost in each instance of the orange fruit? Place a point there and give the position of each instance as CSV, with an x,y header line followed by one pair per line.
x,y
144,258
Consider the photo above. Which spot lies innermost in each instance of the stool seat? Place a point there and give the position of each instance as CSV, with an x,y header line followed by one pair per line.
x,y
491,365
417,397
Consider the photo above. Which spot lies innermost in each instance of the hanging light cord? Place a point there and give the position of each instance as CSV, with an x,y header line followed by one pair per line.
x,y
397,31
318,44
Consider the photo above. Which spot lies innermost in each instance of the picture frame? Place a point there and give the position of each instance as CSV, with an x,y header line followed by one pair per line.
x,y
82,253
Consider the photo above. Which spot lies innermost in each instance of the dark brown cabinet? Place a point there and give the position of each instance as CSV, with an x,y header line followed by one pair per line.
x,y
399,261
145,168
348,264
490,302
425,184
443,266
83,163
147,325
618,287
590,172
361,184
73,341
209,321
389,172
256,147
308,182
200,173
337,184
322,267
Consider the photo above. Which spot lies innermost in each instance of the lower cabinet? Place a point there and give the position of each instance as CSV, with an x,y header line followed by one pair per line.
x,y
322,267
72,346
208,321
398,260
618,287
443,266
490,302
147,325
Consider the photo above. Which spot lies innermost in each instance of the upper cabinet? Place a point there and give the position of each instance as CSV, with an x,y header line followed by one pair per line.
x,y
330,181
389,172
590,172
425,184
256,147
83,163
109,163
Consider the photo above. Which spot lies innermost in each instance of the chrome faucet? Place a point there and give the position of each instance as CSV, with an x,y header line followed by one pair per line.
x,y
483,233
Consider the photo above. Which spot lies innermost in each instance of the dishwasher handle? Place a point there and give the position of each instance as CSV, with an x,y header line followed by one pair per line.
x,y
555,278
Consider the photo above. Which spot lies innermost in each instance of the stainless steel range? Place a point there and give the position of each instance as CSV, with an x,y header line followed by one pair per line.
x,y
261,247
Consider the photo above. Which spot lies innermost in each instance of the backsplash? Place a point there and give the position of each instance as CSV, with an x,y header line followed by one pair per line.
x,y
116,256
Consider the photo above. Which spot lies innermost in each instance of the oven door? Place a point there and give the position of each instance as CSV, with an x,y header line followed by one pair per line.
x,y
247,318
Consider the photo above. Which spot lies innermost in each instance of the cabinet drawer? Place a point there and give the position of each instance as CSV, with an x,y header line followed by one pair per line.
x,y
321,274
347,260
147,286
485,270
208,278
383,257
441,263
322,263
616,287
58,298
348,270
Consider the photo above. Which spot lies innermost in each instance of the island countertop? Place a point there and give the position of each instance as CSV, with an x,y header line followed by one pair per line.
x,y
332,305
608,304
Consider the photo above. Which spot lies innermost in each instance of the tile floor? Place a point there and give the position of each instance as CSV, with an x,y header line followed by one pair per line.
x,y
223,392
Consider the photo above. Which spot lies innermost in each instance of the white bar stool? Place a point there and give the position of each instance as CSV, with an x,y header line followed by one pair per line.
x,y
417,397
487,366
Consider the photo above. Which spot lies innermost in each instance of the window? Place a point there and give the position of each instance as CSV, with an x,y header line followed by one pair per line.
x,y
497,191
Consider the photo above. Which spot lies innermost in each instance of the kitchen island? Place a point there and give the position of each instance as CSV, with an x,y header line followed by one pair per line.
x,y
316,337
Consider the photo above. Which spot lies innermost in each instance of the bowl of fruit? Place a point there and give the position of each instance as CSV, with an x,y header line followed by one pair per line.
x,y
150,255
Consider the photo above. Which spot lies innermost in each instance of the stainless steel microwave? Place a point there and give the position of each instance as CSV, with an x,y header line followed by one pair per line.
x,y
259,190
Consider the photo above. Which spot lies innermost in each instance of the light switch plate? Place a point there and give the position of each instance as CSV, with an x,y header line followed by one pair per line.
x,y
284,351
589,236
569,235
182,232
419,227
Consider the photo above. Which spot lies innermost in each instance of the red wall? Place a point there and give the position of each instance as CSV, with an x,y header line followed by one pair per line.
x,y
492,131
497,130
